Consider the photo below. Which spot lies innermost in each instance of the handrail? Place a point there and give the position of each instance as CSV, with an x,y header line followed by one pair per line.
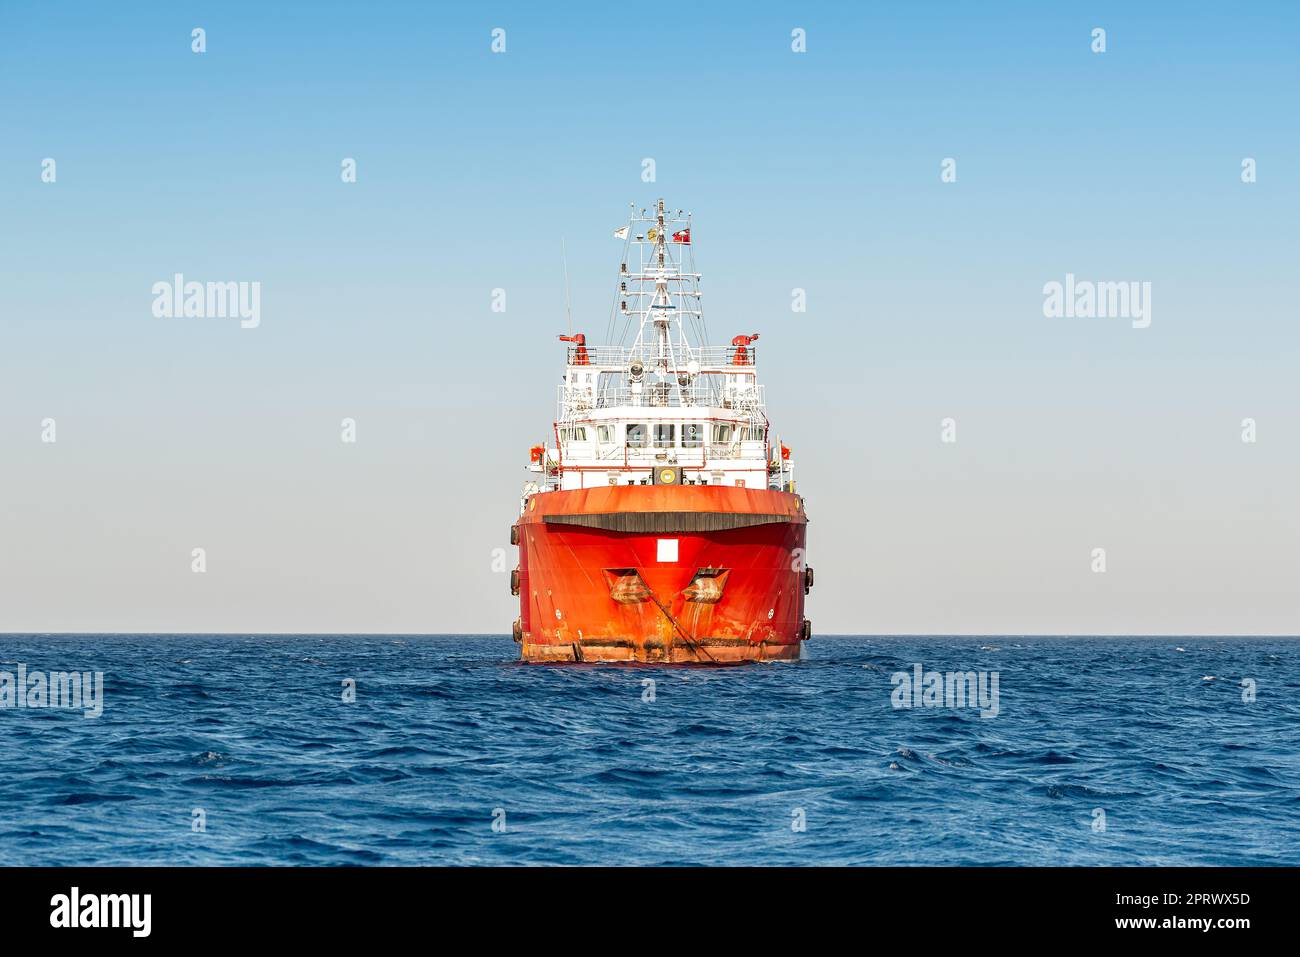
x,y
749,399
621,357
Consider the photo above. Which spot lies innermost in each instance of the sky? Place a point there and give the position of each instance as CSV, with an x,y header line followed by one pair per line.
x,y
819,170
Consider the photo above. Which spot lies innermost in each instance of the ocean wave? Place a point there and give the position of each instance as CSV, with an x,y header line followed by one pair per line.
x,y
454,753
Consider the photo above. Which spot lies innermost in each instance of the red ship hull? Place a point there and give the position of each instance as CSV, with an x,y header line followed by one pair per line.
x,y
655,573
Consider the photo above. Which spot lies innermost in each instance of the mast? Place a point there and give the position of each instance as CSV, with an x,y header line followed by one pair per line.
x,y
662,297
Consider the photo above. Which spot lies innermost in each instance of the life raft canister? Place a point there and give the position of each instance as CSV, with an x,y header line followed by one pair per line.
x,y
741,356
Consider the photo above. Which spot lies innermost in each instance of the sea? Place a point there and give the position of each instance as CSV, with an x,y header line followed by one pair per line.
x,y
444,749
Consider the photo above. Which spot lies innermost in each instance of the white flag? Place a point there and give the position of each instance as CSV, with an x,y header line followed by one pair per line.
x,y
620,233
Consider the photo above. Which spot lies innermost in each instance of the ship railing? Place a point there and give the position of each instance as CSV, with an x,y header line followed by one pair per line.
x,y
651,455
615,457
700,393
624,458
621,357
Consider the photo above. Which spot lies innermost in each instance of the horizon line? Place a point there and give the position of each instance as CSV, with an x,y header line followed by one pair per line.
x,y
486,634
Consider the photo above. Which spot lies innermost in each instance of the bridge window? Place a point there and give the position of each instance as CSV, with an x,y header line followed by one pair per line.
x,y
636,435
722,432
665,436
692,435
605,434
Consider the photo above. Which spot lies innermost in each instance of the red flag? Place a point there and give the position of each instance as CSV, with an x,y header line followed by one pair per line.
x,y
683,236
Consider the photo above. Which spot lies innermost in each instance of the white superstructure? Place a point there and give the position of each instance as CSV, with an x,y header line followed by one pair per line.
x,y
659,399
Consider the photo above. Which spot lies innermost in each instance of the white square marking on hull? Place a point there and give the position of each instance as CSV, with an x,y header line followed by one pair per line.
x,y
667,550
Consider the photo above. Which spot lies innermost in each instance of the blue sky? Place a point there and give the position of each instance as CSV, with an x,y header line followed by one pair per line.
x,y
817,171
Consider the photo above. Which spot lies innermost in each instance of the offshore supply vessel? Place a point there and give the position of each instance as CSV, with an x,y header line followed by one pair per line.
x,y
662,524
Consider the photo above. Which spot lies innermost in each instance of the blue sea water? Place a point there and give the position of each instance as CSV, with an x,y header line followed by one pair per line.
x,y
449,734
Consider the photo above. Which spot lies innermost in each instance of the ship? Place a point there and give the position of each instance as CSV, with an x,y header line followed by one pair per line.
x,y
660,522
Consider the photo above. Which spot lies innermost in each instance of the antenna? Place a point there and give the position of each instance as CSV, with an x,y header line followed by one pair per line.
x,y
567,311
